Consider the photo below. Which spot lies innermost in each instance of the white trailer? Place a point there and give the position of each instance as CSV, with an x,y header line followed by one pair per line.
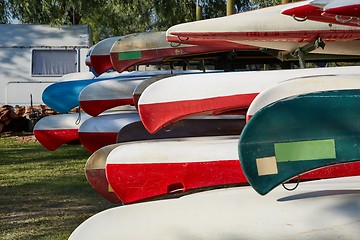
x,y
34,56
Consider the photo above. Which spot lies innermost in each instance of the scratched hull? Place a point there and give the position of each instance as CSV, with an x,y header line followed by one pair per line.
x,y
324,209
268,28
163,167
178,165
223,92
56,130
152,47
97,132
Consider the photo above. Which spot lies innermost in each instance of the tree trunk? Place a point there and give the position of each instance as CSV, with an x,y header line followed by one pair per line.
x,y
230,7
198,12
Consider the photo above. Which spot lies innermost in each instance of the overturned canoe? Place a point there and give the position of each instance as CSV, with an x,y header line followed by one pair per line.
x,y
167,166
301,133
298,86
97,132
56,130
208,126
96,176
104,95
100,56
63,95
212,93
323,209
269,28
152,47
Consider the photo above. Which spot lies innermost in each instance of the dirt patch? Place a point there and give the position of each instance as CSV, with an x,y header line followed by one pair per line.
x,y
20,137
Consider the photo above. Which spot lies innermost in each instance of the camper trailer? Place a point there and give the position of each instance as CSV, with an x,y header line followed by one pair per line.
x,y
34,56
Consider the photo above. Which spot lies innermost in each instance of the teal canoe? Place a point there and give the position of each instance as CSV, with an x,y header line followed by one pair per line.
x,y
299,134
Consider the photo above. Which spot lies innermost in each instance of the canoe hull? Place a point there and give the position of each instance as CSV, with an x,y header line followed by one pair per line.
x,y
306,126
323,209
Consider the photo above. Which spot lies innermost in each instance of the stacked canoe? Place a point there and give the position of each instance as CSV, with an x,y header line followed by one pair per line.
x,y
182,151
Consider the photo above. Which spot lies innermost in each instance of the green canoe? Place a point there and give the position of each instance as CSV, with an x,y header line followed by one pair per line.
x,y
299,134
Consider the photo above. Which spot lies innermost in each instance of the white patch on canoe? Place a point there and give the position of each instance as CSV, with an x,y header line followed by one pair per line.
x,y
266,166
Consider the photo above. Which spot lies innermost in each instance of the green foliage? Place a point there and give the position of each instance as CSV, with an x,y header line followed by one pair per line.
x,y
109,18
4,12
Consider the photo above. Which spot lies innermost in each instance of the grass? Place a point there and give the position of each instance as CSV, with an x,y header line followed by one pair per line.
x,y
43,194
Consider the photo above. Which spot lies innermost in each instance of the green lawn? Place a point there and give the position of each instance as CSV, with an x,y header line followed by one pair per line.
x,y
43,194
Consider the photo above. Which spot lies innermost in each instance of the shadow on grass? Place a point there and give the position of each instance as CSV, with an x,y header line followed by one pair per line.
x,y
43,194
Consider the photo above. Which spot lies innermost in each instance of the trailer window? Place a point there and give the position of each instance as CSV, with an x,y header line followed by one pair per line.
x,y
53,62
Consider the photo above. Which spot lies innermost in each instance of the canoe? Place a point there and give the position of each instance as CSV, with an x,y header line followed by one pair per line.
x,y
147,82
207,126
97,132
63,95
56,130
299,134
190,127
323,209
87,58
104,95
144,84
100,56
298,86
212,93
167,166
348,8
314,10
96,176
268,28
152,47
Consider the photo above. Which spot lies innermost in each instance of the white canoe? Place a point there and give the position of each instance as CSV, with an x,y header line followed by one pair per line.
x,y
205,126
268,28
299,86
95,173
100,56
101,96
152,47
140,170
56,130
323,209
212,93
97,132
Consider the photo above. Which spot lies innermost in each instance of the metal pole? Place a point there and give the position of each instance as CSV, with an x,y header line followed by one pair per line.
x,y
230,7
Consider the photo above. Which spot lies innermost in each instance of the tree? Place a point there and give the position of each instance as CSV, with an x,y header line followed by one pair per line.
x,y
114,17
4,12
